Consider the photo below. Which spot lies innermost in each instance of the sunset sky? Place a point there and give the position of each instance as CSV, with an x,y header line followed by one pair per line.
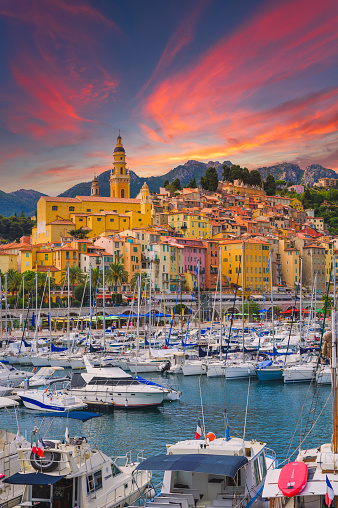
x,y
254,82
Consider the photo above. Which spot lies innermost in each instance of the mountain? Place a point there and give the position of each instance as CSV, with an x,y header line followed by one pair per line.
x,y
292,173
313,172
184,172
19,201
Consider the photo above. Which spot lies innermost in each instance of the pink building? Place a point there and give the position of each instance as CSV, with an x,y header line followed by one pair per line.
x,y
194,250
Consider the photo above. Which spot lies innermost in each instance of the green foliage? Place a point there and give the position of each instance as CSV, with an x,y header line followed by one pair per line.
x,y
78,293
241,174
210,180
270,185
173,186
12,228
78,233
280,183
180,307
192,184
324,203
116,274
135,278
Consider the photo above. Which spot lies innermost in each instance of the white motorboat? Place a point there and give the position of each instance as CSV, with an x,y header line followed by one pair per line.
x,y
10,375
212,472
50,400
215,368
111,386
193,368
323,375
5,390
10,443
73,473
45,376
300,373
239,370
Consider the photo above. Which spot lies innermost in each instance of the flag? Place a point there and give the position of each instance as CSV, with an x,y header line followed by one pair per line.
x,y
67,435
41,447
18,437
329,492
198,430
34,450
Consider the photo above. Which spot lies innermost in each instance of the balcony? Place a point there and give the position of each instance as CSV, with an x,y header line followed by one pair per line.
x,y
184,226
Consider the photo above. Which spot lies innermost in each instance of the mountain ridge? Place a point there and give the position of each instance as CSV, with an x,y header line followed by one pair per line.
x,y
25,201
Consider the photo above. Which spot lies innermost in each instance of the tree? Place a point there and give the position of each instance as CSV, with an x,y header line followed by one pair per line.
x,y
226,172
75,277
166,183
176,185
116,274
255,178
13,281
135,278
210,180
329,300
192,184
270,185
78,233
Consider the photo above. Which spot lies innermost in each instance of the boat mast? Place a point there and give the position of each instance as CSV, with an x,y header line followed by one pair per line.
x,y
300,300
68,298
6,310
334,384
49,307
271,298
138,321
149,322
1,305
243,246
104,303
199,301
90,297
334,280
221,300
23,299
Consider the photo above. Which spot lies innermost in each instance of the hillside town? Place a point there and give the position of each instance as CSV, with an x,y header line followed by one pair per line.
x,y
166,236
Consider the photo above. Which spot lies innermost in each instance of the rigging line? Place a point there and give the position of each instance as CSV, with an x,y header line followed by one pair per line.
x,y
199,382
307,435
246,409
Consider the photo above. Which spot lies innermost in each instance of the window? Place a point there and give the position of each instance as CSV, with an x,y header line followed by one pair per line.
x,y
80,220
121,171
27,254
89,210
99,219
71,208
54,208
46,257
94,481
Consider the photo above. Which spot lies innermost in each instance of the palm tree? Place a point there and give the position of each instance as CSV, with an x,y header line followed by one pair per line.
x,y
13,281
135,278
116,275
75,277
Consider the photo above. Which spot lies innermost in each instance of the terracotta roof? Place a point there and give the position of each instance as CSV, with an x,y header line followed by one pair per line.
x,y
45,268
62,222
107,200
60,199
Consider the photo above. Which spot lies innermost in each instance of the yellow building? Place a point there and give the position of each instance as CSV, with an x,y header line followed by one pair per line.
x,y
191,225
241,189
7,261
256,263
97,215
290,262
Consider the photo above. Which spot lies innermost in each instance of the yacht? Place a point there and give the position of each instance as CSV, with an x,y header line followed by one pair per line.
x,y
73,473
211,473
10,375
111,386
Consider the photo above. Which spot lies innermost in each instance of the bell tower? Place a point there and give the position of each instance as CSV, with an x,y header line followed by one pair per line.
x,y
119,176
95,188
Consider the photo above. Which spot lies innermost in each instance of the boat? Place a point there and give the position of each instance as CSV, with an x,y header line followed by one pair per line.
x,y
49,400
44,376
73,473
112,387
212,472
302,372
320,462
10,443
10,375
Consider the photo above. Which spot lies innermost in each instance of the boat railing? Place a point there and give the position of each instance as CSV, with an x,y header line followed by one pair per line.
x,y
118,493
271,454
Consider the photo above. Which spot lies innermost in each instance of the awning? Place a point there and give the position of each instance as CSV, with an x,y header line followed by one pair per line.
x,y
33,479
225,465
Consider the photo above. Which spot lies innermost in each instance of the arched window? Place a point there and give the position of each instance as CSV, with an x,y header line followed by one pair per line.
x,y
121,171
122,193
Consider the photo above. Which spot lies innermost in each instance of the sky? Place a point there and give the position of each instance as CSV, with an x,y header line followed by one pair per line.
x,y
251,81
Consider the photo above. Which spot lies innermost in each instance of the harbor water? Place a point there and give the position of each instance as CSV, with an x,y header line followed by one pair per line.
x,y
277,414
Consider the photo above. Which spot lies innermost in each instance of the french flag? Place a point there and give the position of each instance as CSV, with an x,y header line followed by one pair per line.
x,y
41,447
329,492
198,430
34,449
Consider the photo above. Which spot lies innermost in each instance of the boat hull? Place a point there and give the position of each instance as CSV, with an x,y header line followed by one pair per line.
x,y
270,374
48,405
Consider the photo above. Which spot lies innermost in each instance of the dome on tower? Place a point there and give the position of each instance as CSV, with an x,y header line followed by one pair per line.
x,y
119,149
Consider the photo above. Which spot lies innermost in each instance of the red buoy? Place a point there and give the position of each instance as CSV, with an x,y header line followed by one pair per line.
x,y
293,478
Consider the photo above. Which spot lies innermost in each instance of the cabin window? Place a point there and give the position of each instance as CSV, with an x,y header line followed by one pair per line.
x,y
114,469
256,472
263,464
94,481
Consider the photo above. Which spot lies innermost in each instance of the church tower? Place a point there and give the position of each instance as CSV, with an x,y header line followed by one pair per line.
x,y
95,188
119,176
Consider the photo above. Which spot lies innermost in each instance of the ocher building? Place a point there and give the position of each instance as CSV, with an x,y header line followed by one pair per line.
x,y
97,215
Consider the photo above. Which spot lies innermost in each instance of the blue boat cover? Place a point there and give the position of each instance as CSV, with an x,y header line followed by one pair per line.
x,y
146,381
264,364
33,479
225,465
56,349
73,415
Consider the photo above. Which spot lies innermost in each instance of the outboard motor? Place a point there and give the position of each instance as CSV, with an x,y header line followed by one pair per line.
x,y
166,367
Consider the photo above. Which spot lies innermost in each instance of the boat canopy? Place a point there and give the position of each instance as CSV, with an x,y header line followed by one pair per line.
x,y
225,465
76,415
33,479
